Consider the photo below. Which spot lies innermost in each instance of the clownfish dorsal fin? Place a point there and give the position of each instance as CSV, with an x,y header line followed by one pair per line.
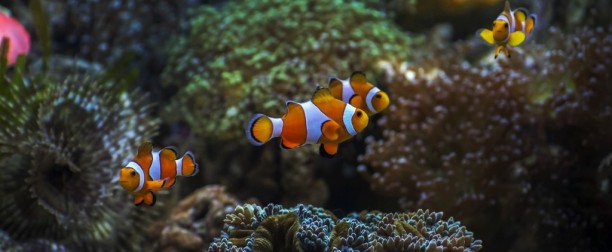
x,y
358,78
507,7
520,14
145,149
169,153
334,83
291,105
321,96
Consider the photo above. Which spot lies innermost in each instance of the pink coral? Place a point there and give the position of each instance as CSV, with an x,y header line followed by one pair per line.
x,y
18,36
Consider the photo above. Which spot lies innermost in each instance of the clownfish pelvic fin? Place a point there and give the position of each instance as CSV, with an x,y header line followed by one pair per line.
x,y
328,150
150,199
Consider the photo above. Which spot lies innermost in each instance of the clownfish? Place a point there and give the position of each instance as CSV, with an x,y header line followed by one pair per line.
x,y
358,92
323,120
510,28
153,170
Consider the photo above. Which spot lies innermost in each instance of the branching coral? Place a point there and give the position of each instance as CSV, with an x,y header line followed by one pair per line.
x,y
60,145
516,141
307,228
253,55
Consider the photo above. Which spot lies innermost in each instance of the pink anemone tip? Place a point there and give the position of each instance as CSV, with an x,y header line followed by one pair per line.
x,y
19,38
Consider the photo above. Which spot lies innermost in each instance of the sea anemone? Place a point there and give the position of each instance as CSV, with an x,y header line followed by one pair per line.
x,y
60,146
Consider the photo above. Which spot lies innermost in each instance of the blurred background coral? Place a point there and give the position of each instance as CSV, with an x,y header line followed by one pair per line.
x,y
512,154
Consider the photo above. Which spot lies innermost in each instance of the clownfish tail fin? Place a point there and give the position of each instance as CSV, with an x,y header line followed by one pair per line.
x,y
188,165
262,128
530,23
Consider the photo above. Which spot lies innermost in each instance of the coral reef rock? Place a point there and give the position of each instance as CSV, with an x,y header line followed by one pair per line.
x,y
307,228
194,222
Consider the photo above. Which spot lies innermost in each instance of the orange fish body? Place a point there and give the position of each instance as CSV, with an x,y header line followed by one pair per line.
x,y
322,120
358,92
153,170
510,28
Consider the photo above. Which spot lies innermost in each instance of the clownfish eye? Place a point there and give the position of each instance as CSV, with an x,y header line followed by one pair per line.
x,y
378,96
359,113
132,173
506,25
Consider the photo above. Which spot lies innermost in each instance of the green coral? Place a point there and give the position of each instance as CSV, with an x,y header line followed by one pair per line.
x,y
253,55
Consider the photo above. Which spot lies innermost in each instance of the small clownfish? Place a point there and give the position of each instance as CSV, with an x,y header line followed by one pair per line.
x,y
323,120
510,28
153,170
358,92
18,37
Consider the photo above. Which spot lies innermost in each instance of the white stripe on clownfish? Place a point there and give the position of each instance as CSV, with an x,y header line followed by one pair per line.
x,y
369,98
277,126
314,118
347,117
347,90
155,168
179,166
140,172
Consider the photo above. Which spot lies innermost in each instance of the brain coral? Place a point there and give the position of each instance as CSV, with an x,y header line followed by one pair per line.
x,y
308,228
253,55
61,143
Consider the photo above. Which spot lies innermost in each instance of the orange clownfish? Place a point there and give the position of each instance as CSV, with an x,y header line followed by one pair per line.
x,y
358,92
323,120
153,170
510,28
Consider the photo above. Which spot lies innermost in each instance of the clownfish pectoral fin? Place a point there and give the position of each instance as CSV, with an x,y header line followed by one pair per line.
x,y
155,185
170,182
188,166
145,149
358,78
486,35
149,199
516,38
328,150
329,129
138,200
